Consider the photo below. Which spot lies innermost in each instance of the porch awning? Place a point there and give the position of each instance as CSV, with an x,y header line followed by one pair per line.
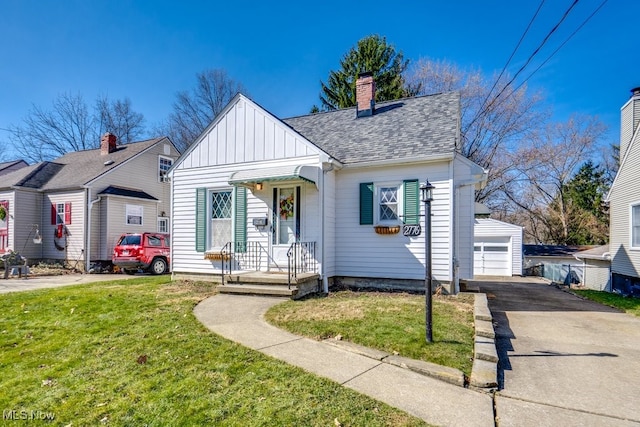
x,y
282,173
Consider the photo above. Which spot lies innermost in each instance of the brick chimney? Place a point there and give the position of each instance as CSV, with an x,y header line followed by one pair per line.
x,y
365,95
630,118
107,143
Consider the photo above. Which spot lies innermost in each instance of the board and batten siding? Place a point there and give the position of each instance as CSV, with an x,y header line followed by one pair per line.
x,y
360,252
74,241
185,182
624,193
246,133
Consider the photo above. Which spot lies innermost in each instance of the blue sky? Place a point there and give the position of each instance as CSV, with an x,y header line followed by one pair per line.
x,y
280,51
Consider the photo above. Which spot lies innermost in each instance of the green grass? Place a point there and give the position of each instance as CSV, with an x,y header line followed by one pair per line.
x,y
629,305
394,323
132,353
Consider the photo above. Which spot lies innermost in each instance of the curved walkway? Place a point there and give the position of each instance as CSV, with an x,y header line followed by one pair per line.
x,y
240,318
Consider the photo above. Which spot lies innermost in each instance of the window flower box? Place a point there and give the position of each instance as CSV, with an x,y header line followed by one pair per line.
x,y
217,256
387,229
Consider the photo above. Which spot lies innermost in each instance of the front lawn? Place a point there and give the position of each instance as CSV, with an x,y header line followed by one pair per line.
x,y
392,322
629,305
132,353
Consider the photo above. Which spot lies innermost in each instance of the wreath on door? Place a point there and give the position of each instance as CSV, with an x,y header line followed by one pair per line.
x,y
286,207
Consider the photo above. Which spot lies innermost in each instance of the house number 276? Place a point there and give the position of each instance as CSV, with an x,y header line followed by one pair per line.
x,y
411,230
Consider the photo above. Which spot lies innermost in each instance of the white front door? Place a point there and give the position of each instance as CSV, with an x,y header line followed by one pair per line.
x,y
286,228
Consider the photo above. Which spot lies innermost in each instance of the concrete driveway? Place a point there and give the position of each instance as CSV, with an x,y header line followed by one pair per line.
x,y
563,360
42,282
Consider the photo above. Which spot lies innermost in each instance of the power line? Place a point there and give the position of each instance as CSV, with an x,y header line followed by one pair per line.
x,y
562,44
512,54
535,52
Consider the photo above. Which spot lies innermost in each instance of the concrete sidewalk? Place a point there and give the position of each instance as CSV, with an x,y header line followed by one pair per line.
x,y
241,319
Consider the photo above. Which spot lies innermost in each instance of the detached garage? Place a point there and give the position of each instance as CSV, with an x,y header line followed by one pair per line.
x,y
497,249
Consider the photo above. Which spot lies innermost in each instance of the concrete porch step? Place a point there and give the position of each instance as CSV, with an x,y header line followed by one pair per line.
x,y
259,289
269,278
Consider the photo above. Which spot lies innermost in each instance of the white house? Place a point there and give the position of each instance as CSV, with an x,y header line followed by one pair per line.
x,y
82,202
624,203
332,189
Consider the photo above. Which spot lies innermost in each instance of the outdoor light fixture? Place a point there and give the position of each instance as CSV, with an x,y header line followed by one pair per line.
x,y
258,186
37,238
426,193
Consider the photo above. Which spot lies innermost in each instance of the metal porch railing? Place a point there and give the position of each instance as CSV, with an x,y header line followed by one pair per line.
x,y
241,256
301,258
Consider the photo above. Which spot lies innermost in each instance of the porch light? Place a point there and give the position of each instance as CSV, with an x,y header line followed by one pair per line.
x,y
258,186
426,192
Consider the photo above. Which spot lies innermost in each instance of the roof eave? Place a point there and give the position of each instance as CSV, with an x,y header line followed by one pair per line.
x,y
444,157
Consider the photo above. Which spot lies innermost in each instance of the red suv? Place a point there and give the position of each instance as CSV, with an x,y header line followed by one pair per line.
x,y
146,251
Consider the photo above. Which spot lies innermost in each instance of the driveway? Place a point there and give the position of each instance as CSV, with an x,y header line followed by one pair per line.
x,y
563,360
42,282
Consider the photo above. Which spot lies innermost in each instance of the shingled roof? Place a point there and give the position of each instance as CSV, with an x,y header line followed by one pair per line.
x,y
76,169
407,128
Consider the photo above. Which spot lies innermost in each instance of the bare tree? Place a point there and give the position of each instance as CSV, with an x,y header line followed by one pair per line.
x,y
119,118
489,128
543,166
194,110
69,126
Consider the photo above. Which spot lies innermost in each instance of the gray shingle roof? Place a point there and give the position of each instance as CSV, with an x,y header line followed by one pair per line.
x,y
73,170
81,167
402,129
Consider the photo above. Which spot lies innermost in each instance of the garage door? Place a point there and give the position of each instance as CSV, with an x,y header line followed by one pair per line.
x,y
492,258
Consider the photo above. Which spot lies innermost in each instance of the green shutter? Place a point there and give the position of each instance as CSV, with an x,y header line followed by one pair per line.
x,y
366,203
201,219
411,205
240,226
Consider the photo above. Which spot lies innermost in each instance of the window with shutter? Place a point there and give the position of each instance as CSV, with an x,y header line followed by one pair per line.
x,y
411,202
366,203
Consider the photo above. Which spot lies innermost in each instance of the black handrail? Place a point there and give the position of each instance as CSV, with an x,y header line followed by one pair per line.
x,y
301,258
241,256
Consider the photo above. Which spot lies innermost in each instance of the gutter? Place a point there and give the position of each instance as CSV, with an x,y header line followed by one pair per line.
x,y
411,161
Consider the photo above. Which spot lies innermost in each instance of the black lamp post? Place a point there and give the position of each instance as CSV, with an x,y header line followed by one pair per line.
x,y
426,195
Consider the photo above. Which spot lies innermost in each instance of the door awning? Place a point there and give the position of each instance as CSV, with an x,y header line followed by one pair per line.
x,y
282,173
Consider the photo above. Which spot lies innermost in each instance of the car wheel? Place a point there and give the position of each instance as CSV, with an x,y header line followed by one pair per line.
x,y
130,271
158,266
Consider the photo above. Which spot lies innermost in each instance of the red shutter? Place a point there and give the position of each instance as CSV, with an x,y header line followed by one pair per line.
x,y
54,214
67,213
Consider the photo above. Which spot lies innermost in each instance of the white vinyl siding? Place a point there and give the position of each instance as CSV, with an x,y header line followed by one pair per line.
x,y
360,252
185,182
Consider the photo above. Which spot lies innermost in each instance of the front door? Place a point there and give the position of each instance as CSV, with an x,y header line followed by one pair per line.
x,y
286,230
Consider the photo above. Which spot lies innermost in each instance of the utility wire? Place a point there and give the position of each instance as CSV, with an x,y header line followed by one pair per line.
x,y
535,52
533,18
561,45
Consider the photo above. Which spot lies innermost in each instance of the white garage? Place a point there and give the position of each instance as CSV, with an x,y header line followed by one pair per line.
x,y
497,249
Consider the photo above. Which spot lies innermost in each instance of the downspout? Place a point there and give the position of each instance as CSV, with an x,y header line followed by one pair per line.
x,y
454,234
87,252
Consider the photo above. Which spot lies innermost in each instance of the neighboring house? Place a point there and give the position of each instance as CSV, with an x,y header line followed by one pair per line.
x,y
497,248
556,263
596,268
335,186
7,167
81,202
624,203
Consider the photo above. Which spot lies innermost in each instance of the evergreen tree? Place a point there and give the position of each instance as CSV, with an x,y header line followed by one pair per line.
x,y
374,55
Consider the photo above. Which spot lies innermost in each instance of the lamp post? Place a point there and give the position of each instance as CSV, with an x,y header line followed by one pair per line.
x,y
426,195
